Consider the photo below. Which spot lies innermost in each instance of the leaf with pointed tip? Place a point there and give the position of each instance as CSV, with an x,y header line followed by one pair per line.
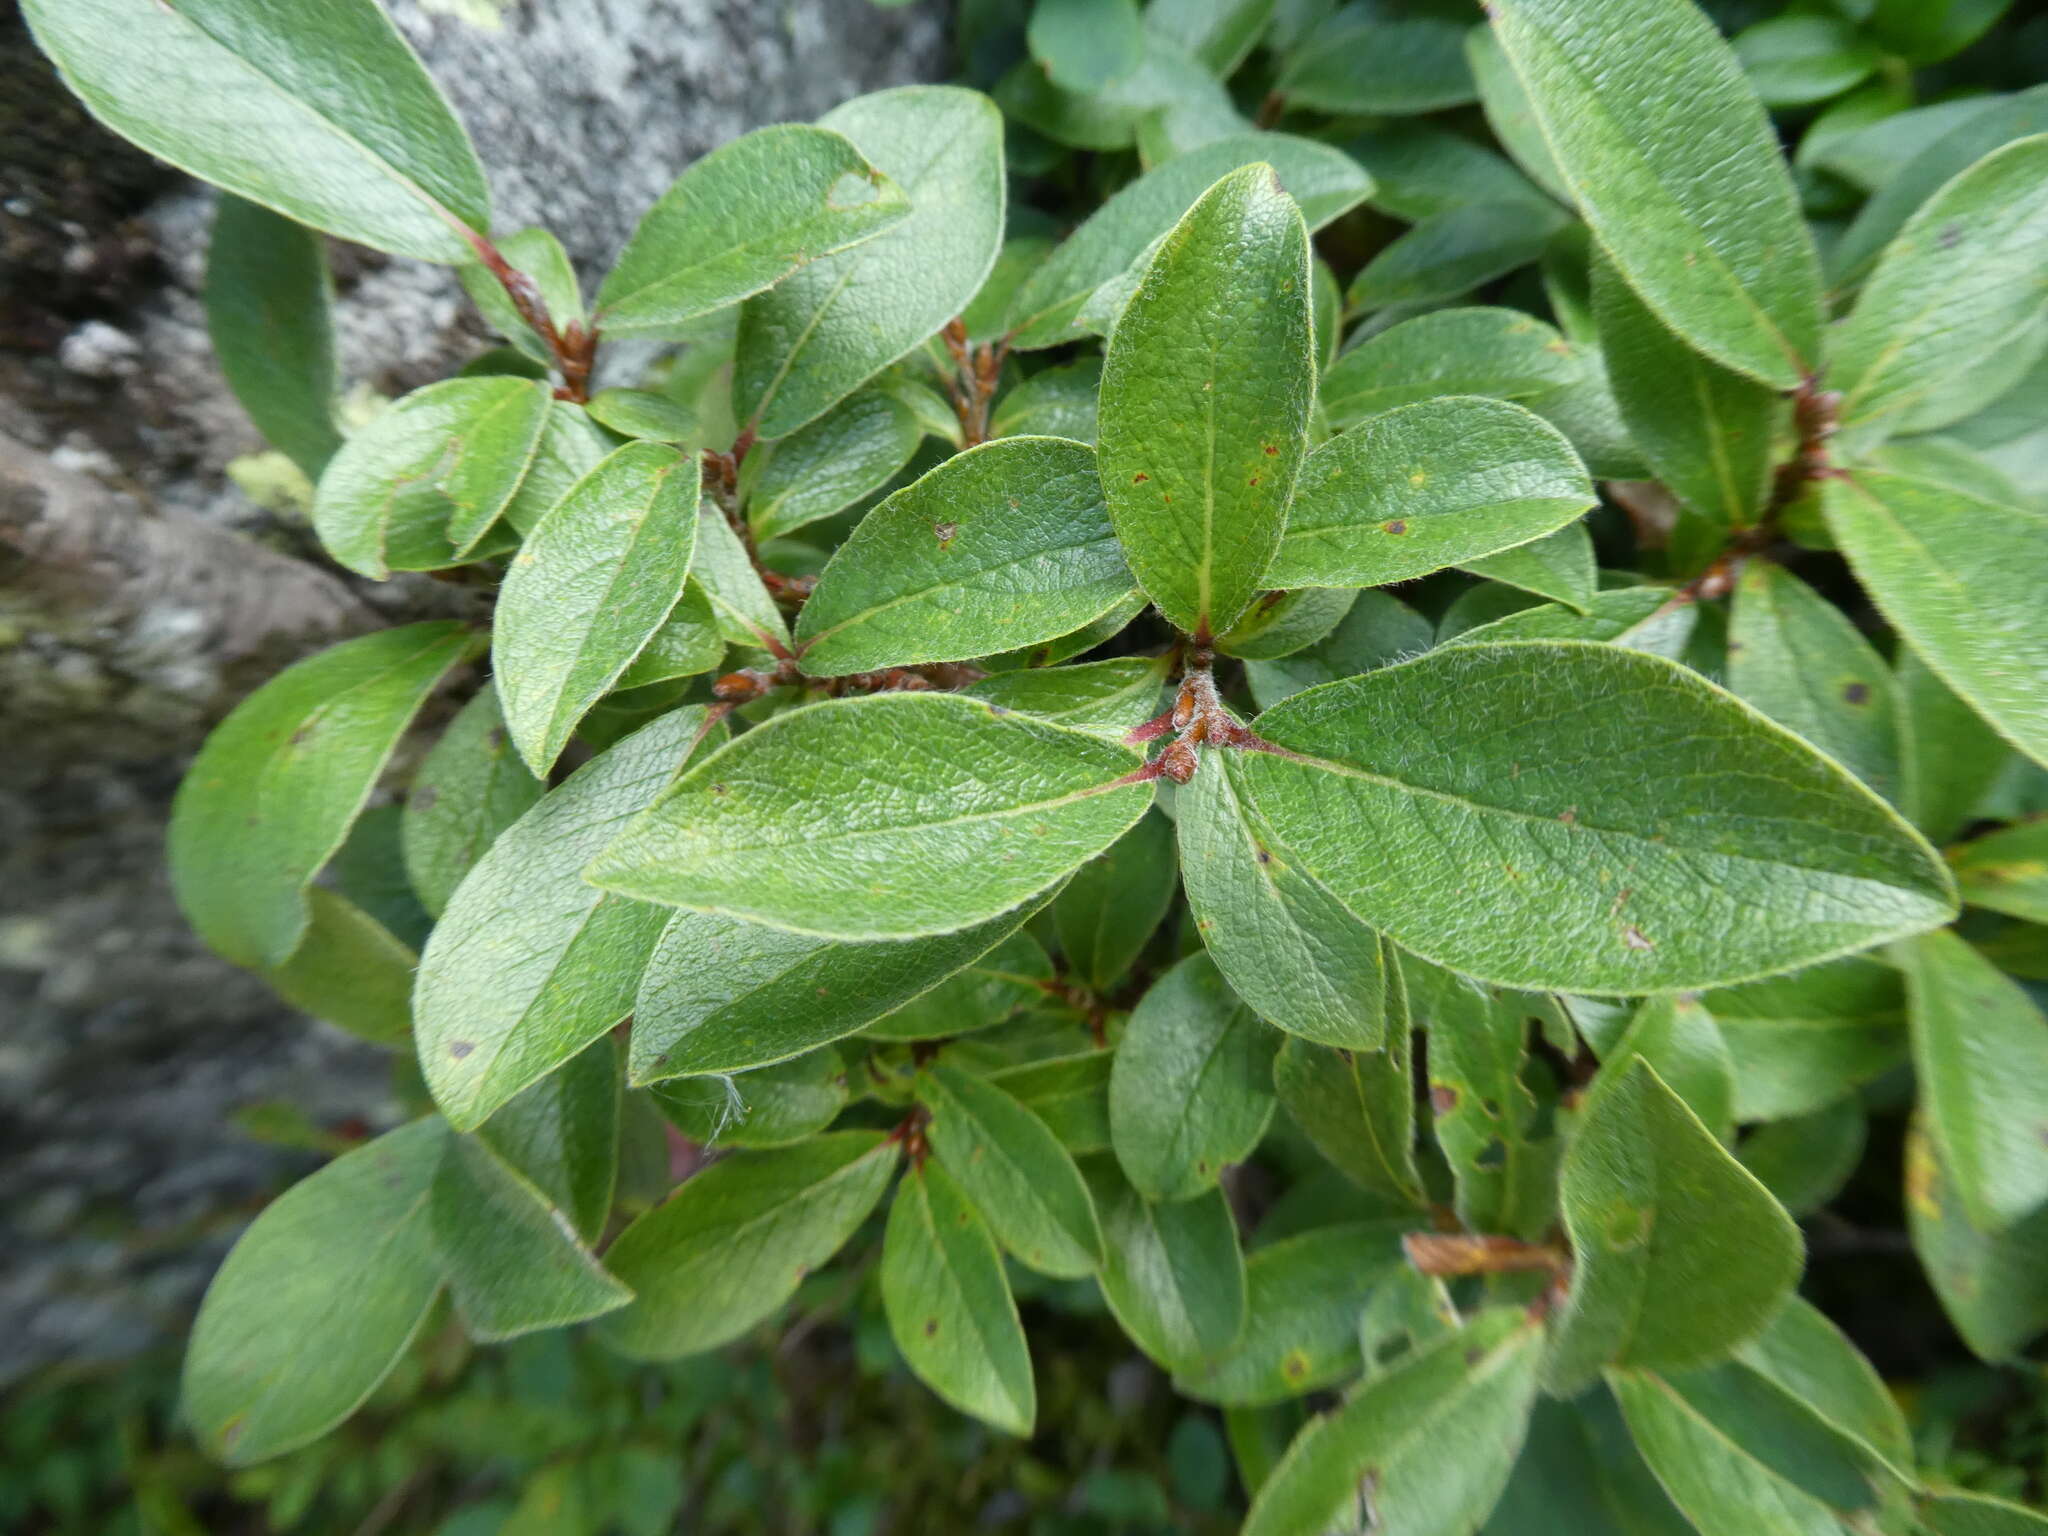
x,y
1559,565
1485,807
1004,545
1069,1093
268,301
852,450
1173,1275
350,970
316,108
1640,618
1801,61
1799,659
1812,1360
1103,698
316,1301
513,1262
1679,1254
642,413
885,817
1423,486
1960,578
1390,59
949,1304
1115,900
1801,1041
596,580
1426,1445
726,1250
1953,1512
1003,983
1677,170
1952,288
1191,1090
1579,1472
1379,629
424,485
771,1106
1682,1040
745,611
562,1134
1206,390
1806,1160
278,784
538,255
1706,430
1980,1053
687,644
723,995
1324,180
1285,622
1286,945
1499,353
2006,870
1054,402
831,325
1509,114
1358,1109
1013,1171
529,963
1448,254
469,789
1739,1454
1303,1297
1993,1286
740,220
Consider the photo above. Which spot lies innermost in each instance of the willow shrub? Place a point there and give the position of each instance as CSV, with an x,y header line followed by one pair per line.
x,y
989,721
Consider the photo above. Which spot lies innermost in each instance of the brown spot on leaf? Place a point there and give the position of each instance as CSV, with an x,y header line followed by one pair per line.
x,y
460,1048
1950,237
1265,855
1443,1098
1568,815
944,533
1856,693
302,735
931,1326
494,738
718,789
1253,481
1634,938
1396,526
1271,450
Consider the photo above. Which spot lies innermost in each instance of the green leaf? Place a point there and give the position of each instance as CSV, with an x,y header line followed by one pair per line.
x,y
268,297
1951,290
1559,565
1959,578
644,414
1325,181
596,580
538,255
1426,1446
1679,1254
1579,1472
2006,870
425,484
851,451
828,327
789,825
350,970
1707,431
1448,254
767,1107
1282,623
1173,1275
1421,169
468,790
1219,33
1485,807
1438,483
1007,544
742,219
1796,61
1677,169
1683,1042
722,995
1806,1160
513,1265
1812,1360
1802,1041
949,1305
1005,982
562,1134
275,789
1013,1171
1054,402
1379,628
1956,1513
1509,113
1114,901
1389,56
1358,1109
1084,45
1980,1054
746,614
1638,618
1069,1093
1954,136
1483,1114
1206,390
1288,947
1501,353
316,1301
1740,1455
1191,1090
690,641
1104,698
731,1246
316,108
1799,659
1079,642
1304,1295
1994,1287
529,964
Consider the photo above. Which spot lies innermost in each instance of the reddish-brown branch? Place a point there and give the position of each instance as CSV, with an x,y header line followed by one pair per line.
x,y
1447,1255
976,372
574,348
